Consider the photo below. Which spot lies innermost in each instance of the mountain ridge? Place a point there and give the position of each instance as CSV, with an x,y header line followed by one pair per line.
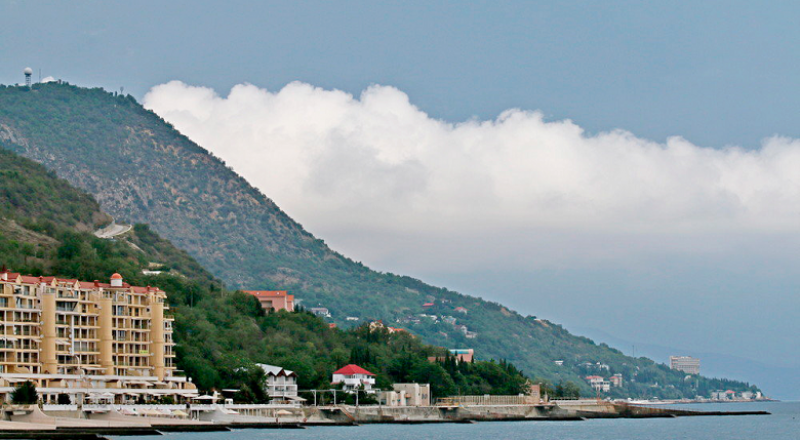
x,y
140,169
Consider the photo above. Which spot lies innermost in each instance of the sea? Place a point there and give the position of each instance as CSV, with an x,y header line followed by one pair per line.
x,y
782,424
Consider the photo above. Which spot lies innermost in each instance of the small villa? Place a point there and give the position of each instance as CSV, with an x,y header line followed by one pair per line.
x,y
273,300
353,377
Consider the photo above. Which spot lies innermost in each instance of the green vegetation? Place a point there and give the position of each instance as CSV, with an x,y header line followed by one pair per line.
x,y
220,334
227,333
142,170
25,394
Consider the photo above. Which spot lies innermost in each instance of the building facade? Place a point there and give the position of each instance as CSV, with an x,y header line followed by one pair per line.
x,y
413,394
87,338
687,364
598,383
353,377
281,384
273,300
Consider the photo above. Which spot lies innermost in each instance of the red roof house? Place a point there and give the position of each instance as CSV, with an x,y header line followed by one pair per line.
x,y
352,370
353,377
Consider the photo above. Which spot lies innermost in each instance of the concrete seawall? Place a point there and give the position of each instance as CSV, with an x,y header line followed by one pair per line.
x,y
32,422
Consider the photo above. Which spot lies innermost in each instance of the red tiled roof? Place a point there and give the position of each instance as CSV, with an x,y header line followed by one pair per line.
x,y
267,293
84,285
349,370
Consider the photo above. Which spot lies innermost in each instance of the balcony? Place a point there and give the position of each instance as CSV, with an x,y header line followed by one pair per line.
x,y
357,382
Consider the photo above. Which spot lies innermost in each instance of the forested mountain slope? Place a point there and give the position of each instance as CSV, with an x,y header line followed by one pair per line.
x,y
142,170
44,230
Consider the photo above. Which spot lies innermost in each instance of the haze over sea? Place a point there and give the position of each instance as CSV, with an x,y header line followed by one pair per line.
x,y
783,423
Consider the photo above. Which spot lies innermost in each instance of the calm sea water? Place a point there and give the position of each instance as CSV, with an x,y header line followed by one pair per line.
x,y
783,424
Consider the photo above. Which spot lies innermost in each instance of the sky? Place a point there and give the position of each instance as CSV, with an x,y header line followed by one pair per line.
x,y
629,168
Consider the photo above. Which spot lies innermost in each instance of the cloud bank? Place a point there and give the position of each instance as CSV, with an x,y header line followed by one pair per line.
x,y
386,183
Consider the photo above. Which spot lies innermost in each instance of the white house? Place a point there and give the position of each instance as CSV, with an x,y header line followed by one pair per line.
x,y
354,377
281,384
599,383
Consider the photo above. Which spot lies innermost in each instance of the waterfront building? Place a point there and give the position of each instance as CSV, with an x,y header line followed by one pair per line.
x,y
616,380
280,384
414,394
535,393
353,377
723,395
273,300
86,339
687,364
392,398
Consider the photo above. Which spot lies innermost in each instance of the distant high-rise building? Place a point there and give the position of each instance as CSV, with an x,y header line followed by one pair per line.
x,y
687,364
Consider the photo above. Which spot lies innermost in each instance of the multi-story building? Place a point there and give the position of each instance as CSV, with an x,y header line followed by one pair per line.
x,y
87,338
687,364
598,383
616,380
272,300
281,384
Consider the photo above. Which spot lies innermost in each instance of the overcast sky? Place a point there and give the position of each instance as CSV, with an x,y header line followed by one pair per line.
x,y
624,166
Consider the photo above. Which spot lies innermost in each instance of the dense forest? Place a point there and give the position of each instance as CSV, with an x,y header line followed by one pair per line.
x,y
141,170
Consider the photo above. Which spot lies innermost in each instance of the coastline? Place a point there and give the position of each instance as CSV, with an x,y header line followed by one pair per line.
x,y
31,422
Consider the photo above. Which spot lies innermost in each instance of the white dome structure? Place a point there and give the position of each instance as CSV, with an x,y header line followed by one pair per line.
x,y
28,71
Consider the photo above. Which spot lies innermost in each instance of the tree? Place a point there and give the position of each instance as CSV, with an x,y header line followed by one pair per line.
x,y
571,390
25,393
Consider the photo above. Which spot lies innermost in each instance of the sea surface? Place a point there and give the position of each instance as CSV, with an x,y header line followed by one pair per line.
x,y
783,424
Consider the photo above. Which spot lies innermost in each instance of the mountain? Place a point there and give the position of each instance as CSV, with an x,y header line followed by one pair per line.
x,y
140,169
45,229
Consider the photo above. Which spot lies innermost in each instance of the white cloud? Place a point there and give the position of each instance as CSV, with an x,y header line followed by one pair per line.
x,y
385,183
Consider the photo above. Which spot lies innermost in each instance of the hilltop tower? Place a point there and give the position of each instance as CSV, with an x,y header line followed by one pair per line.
x,y
28,72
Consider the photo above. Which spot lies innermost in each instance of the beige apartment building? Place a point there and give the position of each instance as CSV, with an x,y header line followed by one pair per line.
x,y
89,340
687,364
